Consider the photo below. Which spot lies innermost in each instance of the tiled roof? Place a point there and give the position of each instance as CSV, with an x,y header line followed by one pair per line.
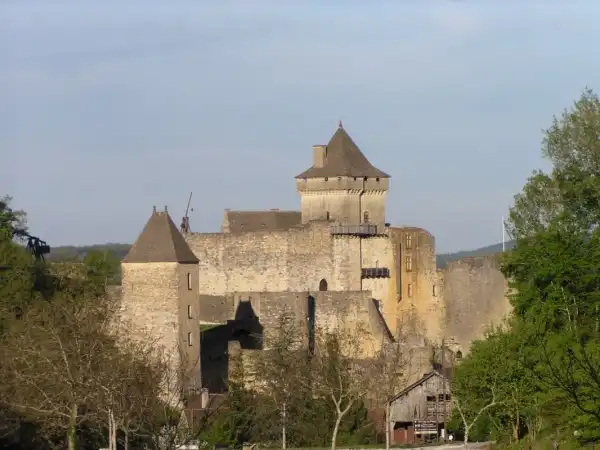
x,y
160,241
261,220
343,158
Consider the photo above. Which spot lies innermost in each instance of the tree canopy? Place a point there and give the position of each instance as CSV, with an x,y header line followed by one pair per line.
x,y
545,363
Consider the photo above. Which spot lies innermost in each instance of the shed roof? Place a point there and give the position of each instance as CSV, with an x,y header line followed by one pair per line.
x,y
160,241
421,380
343,158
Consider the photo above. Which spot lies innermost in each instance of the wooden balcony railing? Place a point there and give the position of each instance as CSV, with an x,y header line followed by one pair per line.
x,y
376,272
354,230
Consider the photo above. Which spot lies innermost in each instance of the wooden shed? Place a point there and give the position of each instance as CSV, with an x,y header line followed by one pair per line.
x,y
419,412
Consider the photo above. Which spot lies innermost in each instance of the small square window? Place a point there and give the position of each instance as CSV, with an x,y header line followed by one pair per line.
x,y
408,263
190,339
190,312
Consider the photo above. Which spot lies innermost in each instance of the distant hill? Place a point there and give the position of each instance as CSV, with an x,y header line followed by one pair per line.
x,y
445,258
74,253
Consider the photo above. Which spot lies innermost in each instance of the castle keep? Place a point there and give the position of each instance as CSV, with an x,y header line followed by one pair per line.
x,y
337,259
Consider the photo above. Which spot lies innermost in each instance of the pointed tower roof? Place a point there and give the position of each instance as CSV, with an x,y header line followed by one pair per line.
x,y
343,158
160,241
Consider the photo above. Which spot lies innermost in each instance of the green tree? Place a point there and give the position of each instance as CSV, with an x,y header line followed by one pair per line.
x,y
554,268
278,369
12,222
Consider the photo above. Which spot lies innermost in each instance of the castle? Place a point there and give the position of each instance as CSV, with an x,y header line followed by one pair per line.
x,y
206,293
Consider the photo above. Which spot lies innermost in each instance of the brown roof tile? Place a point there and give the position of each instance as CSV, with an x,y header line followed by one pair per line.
x,y
343,158
160,241
262,220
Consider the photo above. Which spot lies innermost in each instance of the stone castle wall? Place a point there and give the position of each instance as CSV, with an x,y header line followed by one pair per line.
x,y
330,309
475,298
159,302
266,261
419,303
460,301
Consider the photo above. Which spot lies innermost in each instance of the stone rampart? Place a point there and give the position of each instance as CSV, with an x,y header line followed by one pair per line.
x,y
475,298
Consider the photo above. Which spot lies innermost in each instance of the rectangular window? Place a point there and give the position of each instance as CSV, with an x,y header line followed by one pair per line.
x,y
408,263
409,290
189,311
189,279
434,290
190,339
408,241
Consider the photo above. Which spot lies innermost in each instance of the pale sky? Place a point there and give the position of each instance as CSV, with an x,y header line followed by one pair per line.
x,y
110,107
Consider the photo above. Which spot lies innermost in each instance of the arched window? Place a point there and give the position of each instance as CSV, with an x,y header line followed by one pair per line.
x,y
323,285
459,355
366,217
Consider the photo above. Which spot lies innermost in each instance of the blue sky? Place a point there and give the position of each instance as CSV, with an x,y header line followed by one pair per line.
x,y
108,108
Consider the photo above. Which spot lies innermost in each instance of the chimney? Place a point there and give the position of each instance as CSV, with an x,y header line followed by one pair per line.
x,y
204,398
319,155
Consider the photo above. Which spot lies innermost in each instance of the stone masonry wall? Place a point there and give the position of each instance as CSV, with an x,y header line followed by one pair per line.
x,y
270,261
378,252
150,303
418,310
332,309
474,297
159,301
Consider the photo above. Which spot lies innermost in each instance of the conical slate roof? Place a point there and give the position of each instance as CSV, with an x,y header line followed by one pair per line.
x,y
343,158
160,241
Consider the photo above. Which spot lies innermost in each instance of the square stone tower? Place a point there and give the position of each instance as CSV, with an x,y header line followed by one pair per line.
x,y
342,185
160,297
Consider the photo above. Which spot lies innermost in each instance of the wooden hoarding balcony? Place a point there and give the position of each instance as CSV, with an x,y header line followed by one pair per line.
x,y
376,272
354,230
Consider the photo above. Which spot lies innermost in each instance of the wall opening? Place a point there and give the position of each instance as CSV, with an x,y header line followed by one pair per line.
x,y
408,263
409,292
408,241
366,217
311,324
189,281
323,285
327,215
190,339
434,290
189,311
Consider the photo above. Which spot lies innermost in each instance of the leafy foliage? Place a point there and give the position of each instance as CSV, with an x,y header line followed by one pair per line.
x,y
63,369
545,365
